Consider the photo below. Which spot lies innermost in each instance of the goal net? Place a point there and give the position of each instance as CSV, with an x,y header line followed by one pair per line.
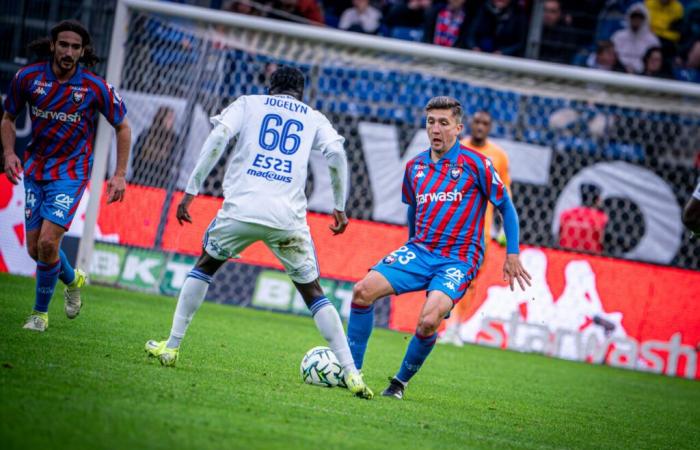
x,y
636,139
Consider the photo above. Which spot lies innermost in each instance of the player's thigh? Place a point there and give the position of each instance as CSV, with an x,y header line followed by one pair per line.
x,y
372,287
407,269
226,238
60,201
437,305
295,250
452,278
33,199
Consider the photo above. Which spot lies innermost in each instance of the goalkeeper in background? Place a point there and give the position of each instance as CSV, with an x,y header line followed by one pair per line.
x,y
264,200
480,128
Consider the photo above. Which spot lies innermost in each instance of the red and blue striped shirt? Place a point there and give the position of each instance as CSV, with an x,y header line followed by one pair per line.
x,y
450,197
64,118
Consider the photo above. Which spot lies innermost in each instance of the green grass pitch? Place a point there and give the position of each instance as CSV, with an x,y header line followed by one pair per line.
x,y
86,384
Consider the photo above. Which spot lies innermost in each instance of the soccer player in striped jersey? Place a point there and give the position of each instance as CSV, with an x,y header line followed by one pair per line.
x,y
447,189
264,201
63,100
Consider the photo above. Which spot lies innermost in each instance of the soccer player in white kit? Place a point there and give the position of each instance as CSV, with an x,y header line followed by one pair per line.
x,y
264,200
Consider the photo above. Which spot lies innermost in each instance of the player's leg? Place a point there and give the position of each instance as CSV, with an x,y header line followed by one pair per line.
x,y
296,252
361,321
223,239
330,326
450,280
47,268
404,270
436,307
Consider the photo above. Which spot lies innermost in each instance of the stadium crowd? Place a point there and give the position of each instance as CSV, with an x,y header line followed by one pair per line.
x,y
656,38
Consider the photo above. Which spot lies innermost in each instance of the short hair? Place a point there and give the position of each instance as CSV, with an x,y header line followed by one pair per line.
x,y
482,111
445,102
287,80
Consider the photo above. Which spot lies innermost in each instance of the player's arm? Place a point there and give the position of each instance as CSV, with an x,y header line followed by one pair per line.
x,y
512,268
497,194
8,130
116,186
411,220
338,166
212,150
408,196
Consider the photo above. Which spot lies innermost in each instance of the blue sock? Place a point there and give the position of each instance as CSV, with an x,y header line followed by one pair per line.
x,y
359,329
67,274
46,279
418,349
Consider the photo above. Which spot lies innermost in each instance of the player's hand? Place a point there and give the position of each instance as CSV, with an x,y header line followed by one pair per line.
x,y
116,188
182,214
513,270
13,167
340,222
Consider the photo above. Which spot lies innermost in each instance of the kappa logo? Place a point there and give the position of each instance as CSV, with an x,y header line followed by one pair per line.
x,y
420,174
115,94
39,91
449,285
27,213
58,213
63,201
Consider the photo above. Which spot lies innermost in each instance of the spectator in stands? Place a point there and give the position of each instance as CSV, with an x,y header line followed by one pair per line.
x,y
154,151
558,42
690,30
246,7
655,65
500,27
605,58
447,24
665,20
406,19
582,228
307,10
582,17
361,18
632,42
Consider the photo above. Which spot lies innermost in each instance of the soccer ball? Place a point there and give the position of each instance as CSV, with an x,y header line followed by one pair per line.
x,y
320,367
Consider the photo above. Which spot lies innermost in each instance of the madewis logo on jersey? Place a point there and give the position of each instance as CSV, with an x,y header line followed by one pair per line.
x,y
430,197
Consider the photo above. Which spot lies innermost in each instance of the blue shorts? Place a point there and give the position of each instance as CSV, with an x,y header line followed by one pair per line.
x,y
413,268
53,200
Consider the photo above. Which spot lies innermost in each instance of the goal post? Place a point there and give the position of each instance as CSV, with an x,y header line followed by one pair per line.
x,y
562,126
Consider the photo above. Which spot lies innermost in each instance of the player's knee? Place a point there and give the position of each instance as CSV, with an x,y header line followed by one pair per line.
x,y
33,250
361,294
428,325
46,249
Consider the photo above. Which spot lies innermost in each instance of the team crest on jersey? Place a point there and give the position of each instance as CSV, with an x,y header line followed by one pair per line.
x,y
455,173
77,97
390,259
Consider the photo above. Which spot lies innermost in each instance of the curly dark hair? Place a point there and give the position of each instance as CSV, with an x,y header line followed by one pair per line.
x,y
42,47
287,80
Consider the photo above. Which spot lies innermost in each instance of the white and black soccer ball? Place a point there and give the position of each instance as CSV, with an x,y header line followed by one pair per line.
x,y
320,367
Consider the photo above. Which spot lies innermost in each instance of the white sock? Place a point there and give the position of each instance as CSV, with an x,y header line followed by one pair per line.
x,y
331,328
191,297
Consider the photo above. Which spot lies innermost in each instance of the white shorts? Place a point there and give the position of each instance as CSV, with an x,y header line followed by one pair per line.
x,y
227,238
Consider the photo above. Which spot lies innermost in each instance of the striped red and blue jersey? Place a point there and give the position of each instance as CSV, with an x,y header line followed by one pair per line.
x,y
64,117
450,198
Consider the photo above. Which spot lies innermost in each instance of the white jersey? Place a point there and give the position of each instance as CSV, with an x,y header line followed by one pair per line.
x,y
265,179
